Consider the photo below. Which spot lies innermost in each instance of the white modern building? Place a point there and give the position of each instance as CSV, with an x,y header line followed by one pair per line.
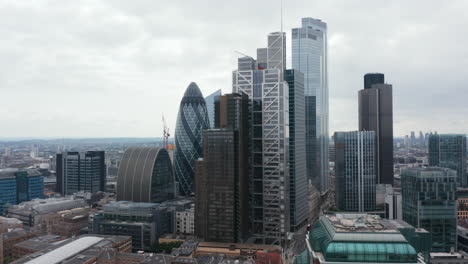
x,y
263,81
393,203
185,221
355,174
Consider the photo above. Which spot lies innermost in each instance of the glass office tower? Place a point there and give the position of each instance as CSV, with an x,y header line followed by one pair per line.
x,y
221,197
191,121
81,172
309,56
355,171
429,202
376,114
449,151
30,185
263,82
217,192
210,106
8,191
297,160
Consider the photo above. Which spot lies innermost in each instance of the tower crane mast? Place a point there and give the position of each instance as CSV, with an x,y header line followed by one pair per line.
x,y
166,134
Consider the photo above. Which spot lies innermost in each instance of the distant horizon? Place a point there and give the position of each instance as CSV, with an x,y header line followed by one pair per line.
x,y
15,139
90,75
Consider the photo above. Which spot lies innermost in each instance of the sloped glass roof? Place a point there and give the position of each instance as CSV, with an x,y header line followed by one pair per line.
x,y
370,252
378,247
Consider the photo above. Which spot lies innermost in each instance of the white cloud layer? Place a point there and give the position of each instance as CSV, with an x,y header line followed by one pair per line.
x,y
110,68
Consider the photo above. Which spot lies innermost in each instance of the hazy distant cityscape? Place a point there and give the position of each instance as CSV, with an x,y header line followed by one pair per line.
x,y
253,176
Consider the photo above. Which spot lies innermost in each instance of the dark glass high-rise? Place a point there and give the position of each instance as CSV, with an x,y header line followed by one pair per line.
x,y
376,114
297,150
221,197
81,172
373,78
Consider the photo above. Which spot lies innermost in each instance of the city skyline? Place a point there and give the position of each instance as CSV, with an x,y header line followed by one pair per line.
x,y
217,132
130,58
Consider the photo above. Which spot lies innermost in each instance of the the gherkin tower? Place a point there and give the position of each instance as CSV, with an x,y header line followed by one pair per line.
x,y
191,121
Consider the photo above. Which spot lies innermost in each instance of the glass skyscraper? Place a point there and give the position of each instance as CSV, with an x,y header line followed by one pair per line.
x,y
429,202
376,114
355,171
221,197
210,106
217,191
297,159
262,80
449,151
309,56
191,121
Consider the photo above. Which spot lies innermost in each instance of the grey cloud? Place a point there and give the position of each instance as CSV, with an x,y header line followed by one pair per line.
x,y
112,67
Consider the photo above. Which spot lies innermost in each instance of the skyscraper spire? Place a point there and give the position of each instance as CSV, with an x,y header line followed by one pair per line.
x,y
281,15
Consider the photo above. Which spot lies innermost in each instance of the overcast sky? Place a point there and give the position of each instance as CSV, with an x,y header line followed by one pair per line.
x,y
111,68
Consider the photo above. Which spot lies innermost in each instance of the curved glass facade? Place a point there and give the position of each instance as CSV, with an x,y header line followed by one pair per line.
x,y
162,182
145,175
371,252
191,121
357,241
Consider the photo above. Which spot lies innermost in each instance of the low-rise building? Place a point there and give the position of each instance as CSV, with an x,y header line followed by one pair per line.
x,y
34,245
462,204
40,215
359,238
66,223
393,203
448,258
9,223
83,249
144,222
185,221
9,239
462,237
129,258
17,186
262,253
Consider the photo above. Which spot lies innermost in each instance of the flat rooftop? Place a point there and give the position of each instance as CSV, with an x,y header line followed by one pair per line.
x,y
40,243
73,250
17,232
236,246
444,255
364,223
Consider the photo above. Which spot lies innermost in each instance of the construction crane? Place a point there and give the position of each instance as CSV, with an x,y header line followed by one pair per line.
x,y
166,134
240,53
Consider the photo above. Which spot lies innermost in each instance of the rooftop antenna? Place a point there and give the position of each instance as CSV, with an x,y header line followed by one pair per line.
x,y
281,16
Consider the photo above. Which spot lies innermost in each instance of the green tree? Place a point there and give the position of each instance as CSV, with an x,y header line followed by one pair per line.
x,y
165,248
